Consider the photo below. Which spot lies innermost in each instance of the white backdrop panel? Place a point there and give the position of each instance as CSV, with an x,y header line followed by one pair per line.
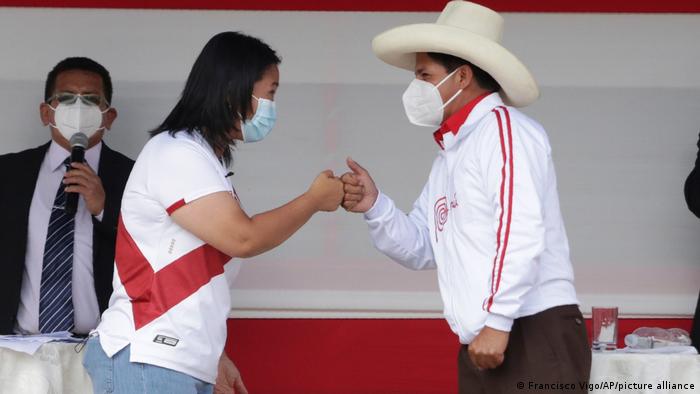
x,y
620,100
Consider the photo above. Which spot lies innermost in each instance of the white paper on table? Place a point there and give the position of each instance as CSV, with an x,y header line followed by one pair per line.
x,y
31,343
661,350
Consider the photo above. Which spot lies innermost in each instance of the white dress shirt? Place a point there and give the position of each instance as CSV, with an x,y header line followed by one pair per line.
x,y
86,310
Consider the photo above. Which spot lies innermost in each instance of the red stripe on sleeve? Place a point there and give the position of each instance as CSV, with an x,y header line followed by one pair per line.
x,y
500,221
510,195
176,205
498,260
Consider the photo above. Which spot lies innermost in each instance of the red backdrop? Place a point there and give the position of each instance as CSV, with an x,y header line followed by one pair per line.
x,y
680,6
358,356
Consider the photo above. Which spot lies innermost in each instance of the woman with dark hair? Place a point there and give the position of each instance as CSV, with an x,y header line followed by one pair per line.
x,y
165,328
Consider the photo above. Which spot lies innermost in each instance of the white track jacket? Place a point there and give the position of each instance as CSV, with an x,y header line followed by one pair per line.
x,y
488,219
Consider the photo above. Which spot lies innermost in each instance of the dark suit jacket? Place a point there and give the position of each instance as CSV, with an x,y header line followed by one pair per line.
x,y
692,197
20,172
692,187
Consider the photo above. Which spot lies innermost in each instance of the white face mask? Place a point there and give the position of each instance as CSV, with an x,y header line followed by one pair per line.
x,y
77,118
423,103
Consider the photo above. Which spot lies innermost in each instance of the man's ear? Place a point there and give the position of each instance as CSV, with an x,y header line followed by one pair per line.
x,y
466,76
45,113
109,117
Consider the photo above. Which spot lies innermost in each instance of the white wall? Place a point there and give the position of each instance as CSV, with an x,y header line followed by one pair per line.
x,y
620,100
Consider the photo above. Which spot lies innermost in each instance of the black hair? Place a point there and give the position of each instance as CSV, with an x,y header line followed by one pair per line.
x,y
451,63
78,63
217,94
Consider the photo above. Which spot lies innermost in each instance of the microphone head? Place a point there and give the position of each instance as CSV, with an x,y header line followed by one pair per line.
x,y
79,139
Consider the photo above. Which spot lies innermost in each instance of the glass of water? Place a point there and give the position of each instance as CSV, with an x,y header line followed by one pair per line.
x,y
604,328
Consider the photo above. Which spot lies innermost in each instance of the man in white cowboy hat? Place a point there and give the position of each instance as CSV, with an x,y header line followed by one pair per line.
x,y
488,218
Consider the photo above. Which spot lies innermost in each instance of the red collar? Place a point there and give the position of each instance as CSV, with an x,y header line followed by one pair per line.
x,y
454,122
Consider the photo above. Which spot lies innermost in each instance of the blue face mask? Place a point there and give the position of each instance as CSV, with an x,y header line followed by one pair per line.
x,y
263,121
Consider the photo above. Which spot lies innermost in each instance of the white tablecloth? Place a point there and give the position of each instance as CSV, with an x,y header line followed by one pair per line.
x,y
56,368
659,370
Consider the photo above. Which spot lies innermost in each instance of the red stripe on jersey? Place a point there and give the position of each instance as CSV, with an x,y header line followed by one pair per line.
x,y
177,281
176,205
152,293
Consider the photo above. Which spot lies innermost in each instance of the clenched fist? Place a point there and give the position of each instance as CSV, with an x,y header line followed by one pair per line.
x,y
326,191
360,190
487,350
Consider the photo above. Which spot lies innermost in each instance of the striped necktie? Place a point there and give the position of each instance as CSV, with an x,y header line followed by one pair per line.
x,y
56,301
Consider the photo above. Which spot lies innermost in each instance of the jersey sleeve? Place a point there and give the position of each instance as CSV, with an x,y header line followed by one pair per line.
x,y
181,173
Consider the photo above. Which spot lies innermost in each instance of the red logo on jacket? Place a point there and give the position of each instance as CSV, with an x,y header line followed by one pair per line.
x,y
442,211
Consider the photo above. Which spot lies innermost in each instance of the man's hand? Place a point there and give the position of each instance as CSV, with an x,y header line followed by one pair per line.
x,y
360,190
83,180
487,350
228,380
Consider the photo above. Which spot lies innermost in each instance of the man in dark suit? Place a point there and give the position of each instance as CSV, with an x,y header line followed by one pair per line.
x,y
692,197
57,267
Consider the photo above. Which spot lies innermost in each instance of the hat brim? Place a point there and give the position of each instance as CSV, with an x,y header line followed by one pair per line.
x,y
399,46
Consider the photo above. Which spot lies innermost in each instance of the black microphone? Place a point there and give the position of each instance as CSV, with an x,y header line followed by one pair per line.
x,y
78,143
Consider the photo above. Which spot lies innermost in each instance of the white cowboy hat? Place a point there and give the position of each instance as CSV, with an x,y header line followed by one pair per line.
x,y
466,30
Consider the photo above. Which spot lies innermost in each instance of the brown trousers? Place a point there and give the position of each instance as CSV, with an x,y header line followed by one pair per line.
x,y
547,352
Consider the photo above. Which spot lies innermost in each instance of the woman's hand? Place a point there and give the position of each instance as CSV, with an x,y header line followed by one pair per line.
x,y
326,191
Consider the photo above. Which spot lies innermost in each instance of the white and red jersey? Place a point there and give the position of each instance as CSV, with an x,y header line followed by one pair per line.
x,y
171,292
488,219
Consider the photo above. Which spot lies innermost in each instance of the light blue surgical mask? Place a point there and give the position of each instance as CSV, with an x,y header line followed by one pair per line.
x,y
263,121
